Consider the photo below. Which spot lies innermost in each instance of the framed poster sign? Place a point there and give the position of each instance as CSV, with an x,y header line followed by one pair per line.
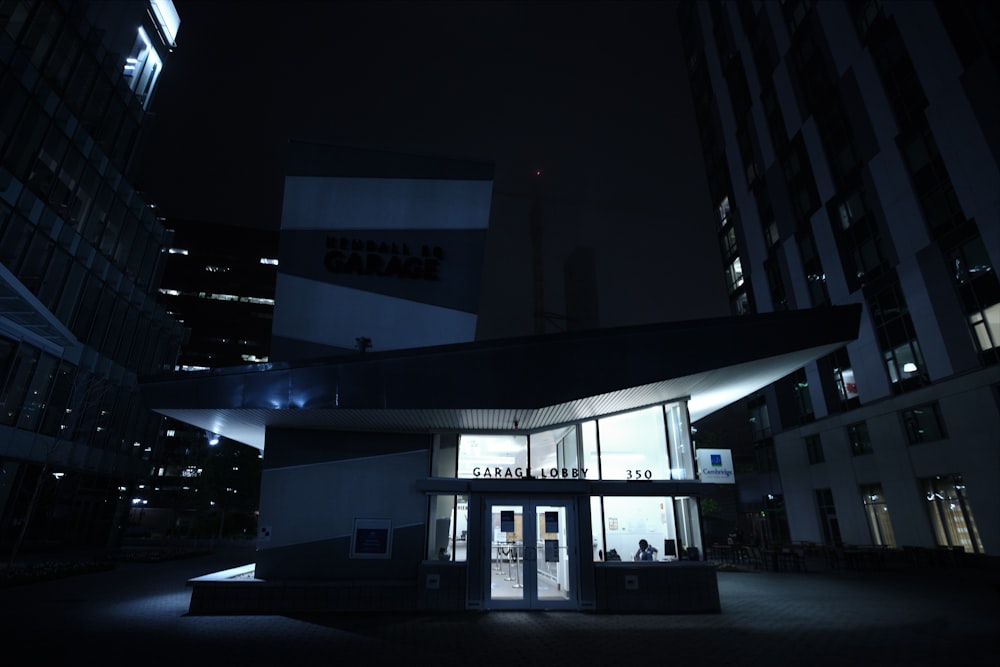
x,y
372,538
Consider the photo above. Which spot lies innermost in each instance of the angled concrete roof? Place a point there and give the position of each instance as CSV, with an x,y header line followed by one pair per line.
x,y
538,381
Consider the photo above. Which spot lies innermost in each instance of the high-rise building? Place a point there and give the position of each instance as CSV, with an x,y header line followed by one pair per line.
x,y
852,155
81,256
219,284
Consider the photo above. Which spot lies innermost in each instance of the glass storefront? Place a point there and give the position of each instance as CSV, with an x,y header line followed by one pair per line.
x,y
647,444
528,551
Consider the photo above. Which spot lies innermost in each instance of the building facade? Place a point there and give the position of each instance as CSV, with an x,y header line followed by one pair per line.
x,y
852,155
81,255
431,470
219,285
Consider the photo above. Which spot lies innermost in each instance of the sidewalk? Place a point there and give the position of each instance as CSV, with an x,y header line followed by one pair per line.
x,y
138,611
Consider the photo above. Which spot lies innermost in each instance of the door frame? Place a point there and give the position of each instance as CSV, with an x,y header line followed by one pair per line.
x,y
529,532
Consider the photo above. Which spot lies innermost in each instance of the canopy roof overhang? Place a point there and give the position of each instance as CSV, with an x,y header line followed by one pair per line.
x,y
527,384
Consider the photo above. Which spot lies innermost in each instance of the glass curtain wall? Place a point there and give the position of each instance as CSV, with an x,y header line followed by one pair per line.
x,y
647,444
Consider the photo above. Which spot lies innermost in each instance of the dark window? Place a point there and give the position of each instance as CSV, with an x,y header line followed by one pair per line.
x,y
923,423
828,517
760,423
931,181
765,455
979,289
814,449
861,443
16,386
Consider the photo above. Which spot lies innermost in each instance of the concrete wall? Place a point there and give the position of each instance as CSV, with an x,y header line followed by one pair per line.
x,y
315,484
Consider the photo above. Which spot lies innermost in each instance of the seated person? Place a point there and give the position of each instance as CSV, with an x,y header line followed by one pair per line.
x,y
645,551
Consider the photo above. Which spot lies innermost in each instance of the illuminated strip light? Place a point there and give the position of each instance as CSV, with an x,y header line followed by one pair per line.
x,y
167,18
153,56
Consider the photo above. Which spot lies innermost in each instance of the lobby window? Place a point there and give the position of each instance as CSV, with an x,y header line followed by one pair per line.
x,y
923,423
448,528
493,456
814,449
670,525
950,513
552,452
877,513
861,442
682,465
633,445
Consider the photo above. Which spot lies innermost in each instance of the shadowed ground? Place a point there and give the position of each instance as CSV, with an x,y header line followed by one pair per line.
x,y
137,611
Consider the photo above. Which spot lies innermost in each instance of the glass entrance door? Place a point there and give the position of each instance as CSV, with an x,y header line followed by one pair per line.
x,y
531,554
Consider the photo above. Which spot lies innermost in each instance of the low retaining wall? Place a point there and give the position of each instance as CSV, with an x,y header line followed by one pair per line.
x,y
655,588
236,591
682,587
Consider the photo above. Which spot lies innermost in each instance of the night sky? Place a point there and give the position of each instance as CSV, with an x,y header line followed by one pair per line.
x,y
593,95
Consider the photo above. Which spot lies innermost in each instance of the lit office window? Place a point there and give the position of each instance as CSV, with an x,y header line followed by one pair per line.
x,y
847,388
950,513
877,513
618,523
722,212
734,274
142,68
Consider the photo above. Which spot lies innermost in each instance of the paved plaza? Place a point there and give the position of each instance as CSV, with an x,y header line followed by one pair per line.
x,y
137,612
